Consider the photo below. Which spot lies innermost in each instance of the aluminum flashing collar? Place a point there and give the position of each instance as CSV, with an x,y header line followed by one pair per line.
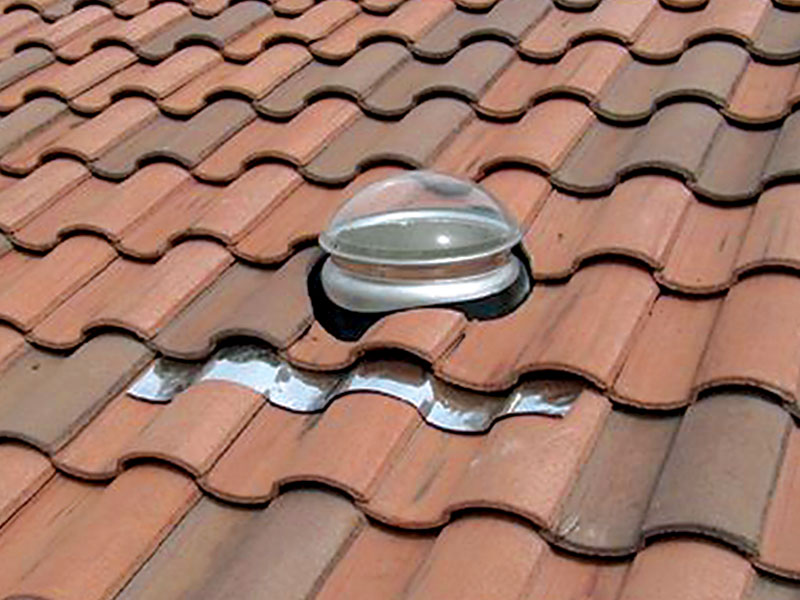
x,y
439,403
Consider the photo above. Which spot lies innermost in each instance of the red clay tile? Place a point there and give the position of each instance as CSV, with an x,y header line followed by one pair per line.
x,y
541,139
166,288
23,471
608,502
584,71
427,333
367,431
380,564
570,229
53,279
297,141
252,80
689,569
12,344
270,304
763,93
300,217
196,426
509,20
620,19
756,337
669,32
466,75
720,472
368,141
27,119
95,452
72,26
659,372
156,81
106,208
521,192
558,327
21,202
46,398
283,552
770,239
355,78
565,576
124,524
525,465
312,25
479,557
778,550
26,157
704,253
68,81
407,24
187,142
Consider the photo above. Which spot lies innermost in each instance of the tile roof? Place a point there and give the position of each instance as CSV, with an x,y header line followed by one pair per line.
x,y
165,170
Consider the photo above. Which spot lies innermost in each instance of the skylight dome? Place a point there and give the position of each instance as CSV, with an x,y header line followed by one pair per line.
x,y
419,239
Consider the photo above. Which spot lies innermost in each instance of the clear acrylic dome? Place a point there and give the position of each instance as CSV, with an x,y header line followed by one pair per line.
x,y
420,218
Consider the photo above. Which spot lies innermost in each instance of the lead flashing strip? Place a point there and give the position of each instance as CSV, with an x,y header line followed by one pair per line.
x,y
440,404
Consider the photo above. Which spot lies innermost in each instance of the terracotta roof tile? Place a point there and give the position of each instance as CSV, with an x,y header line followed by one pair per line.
x,y
224,551
408,24
253,80
755,337
262,310
559,326
426,333
23,472
648,151
719,476
105,301
620,19
47,398
298,142
508,20
185,142
125,522
314,24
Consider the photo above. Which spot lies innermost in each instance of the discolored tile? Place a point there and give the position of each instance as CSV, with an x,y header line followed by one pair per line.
x,y
720,473
245,300
312,25
466,74
166,288
777,38
124,523
298,141
507,20
46,398
368,141
619,19
220,551
187,142
607,504
406,24
355,78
